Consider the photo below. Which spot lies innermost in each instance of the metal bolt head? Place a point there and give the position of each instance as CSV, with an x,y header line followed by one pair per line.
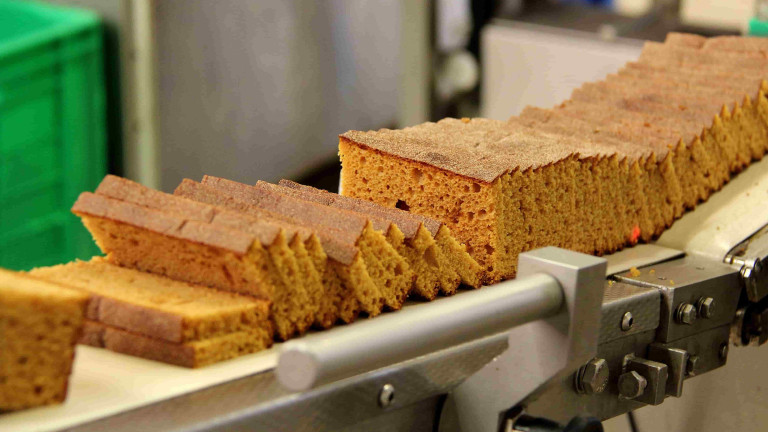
x,y
723,351
706,306
631,385
690,365
627,321
686,314
593,377
386,395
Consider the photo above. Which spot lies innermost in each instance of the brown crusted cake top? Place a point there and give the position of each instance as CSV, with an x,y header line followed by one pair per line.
x,y
130,191
400,217
170,224
737,44
199,210
723,77
230,214
480,149
409,228
580,136
303,212
685,39
654,52
332,240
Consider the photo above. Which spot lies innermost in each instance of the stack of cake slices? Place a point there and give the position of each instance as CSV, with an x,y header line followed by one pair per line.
x,y
615,164
220,269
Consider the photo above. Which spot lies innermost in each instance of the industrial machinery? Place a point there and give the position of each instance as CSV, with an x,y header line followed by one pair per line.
x,y
573,340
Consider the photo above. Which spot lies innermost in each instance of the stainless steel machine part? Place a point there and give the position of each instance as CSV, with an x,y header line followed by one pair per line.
x,y
539,352
411,332
261,403
627,310
682,283
750,257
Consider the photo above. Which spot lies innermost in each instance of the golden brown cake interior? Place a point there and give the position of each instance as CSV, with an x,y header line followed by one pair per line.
x,y
39,325
192,354
157,306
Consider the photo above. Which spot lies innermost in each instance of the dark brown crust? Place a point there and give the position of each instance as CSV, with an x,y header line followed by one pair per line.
x,y
163,223
332,240
316,216
227,212
381,223
129,191
102,336
126,190
406,221
154,323
685,39
478,149
677,54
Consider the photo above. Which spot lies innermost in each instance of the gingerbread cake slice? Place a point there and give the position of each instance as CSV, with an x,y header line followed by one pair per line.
x,y
156,306
302,274
407,236
348,286
641,132
40,323
452,254
612,190
657,176
706,97
168,244
193,354
713,139
387,268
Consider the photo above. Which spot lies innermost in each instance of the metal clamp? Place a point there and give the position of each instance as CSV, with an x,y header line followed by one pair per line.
x,y
539,351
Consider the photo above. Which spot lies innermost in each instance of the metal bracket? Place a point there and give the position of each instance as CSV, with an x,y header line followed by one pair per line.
x,y
750,257
539,352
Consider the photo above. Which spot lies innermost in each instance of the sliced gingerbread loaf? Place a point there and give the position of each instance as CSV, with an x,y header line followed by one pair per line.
x,y
302,275
348,285
451,254
189,250
389,271
407,236
674,138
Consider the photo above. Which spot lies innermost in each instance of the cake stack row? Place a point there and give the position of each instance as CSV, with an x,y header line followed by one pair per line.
x,y
615,164
219,268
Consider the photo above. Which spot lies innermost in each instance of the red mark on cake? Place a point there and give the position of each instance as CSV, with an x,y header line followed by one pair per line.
x,y
635,234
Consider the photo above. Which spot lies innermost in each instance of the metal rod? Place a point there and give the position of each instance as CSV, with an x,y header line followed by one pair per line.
x,y
416,330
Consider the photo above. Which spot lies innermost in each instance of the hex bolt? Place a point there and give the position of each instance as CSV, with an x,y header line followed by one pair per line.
x,y
706,307
723,351
627,321
690,365
631,385
386,395
592,377
686,313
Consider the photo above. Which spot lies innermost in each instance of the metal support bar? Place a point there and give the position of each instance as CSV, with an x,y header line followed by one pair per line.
x,y
414,331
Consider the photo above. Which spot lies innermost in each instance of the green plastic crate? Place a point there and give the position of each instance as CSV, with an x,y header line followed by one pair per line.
x,y
52,130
